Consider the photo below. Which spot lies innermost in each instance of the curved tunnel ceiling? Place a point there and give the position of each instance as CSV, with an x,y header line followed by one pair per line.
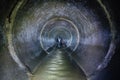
x,y
34,26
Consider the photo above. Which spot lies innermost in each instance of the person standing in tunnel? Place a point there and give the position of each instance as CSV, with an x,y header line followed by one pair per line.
x,y
60,42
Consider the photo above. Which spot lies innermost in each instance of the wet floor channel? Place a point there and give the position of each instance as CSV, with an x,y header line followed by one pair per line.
x,y
57,66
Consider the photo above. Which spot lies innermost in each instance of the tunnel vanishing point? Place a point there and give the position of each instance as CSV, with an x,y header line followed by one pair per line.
x,y
55,39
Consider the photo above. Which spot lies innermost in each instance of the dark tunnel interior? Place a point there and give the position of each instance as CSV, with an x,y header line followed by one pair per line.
x,y
59,40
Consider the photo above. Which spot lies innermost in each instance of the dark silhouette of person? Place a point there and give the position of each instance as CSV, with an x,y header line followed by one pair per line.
x,y
59,42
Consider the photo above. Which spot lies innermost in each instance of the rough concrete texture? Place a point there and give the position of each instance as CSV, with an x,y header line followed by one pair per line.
x,y
9,70
33,29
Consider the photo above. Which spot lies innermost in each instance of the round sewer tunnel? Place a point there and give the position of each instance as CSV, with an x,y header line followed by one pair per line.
x,y
58,38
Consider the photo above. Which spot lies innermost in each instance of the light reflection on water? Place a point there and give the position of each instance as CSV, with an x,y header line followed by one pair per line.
x,y
57,67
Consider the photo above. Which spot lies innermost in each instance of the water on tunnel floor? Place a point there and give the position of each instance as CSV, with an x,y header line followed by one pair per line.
x,y
57,66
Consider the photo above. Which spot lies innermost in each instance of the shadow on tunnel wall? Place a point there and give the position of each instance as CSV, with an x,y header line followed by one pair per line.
x,y
9,70
113,67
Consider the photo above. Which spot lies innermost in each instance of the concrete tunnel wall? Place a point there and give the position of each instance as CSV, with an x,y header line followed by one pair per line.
x,y
25,18
9,70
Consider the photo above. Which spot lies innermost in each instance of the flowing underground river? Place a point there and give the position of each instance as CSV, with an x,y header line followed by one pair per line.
x,y
57,40
57,66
